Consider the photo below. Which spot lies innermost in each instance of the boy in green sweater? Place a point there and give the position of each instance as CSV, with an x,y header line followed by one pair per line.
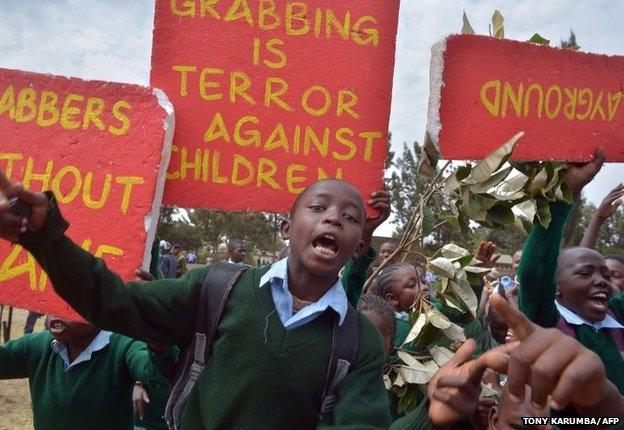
x,y
267,356
572,291
81,377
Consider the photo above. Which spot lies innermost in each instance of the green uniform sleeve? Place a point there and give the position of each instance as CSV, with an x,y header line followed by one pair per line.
x,y
538,267
617,305
13,359
355,274
161,311
362,398
147,366
418,419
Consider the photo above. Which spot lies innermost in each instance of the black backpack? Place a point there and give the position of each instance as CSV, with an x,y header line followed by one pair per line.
x,y
213,297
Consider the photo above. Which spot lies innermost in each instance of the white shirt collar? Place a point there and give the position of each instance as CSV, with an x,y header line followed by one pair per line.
x,y
575,319
277,277
99,342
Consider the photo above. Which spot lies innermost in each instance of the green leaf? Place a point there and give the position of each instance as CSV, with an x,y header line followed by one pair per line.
x,y
464,291
463,172
455,333
527,209
416,328
438,319
387,382
452,251
543,212
495,179
498,25
515,182
442,266
537,38
429,157
466,260
407,358
405,401
466,27
493,161
538,182
500,214
440,355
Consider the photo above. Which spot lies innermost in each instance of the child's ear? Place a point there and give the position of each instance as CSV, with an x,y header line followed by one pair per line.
x,y
285,229
493,417
359,249
392,301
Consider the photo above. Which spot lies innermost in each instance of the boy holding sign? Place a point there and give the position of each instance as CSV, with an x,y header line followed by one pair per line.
x,y
265,355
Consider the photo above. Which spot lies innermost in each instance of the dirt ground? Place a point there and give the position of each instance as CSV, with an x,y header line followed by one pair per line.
x,y
15,413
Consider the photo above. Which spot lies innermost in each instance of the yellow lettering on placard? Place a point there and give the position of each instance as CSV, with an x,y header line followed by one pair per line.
x,y
296,21
492,105
239,9
292,179
184,71
128,182
272,95
10,157
122,117
267,18
203,84
48,113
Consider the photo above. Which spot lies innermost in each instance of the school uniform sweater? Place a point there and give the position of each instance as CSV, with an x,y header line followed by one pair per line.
x,y
94,394
538,285
259,374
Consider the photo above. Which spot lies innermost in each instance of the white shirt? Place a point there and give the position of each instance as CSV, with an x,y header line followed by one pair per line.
x,y
277,279
99,342
572,318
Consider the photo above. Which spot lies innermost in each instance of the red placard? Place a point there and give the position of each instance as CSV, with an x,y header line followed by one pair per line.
x,y
484,90
271,95
103,149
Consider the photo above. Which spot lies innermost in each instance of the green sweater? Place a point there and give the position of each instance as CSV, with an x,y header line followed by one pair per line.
x,y
538,285
259,374
355,274
95,394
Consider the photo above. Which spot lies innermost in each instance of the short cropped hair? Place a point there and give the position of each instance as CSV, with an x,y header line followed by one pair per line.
x,y
372,303
616,257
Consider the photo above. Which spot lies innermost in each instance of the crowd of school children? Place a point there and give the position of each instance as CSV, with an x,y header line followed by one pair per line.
x,y
548,339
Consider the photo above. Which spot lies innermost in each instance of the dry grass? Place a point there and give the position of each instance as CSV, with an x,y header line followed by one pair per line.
x,y
15,413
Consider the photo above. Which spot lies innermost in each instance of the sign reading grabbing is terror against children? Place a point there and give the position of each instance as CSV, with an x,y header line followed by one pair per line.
x,y
103,149
485,90
272,95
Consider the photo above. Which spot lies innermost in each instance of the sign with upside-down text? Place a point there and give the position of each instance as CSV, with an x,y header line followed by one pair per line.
x,y
485,90
103,149
272,95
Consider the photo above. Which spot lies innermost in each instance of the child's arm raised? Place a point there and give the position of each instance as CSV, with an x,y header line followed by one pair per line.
x,y
537,271
162,311
607,208
356,271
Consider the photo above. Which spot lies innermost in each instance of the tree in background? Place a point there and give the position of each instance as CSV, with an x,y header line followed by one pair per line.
x,y
205,230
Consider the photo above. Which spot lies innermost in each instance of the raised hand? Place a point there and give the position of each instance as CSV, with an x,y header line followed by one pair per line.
x,y
12,224
580,174
485,254
611,202
379,200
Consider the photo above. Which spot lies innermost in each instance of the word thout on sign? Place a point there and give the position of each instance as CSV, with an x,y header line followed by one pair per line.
x,y
103,149
272,95
484,90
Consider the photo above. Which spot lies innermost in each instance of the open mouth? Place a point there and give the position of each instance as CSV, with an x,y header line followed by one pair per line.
x,y
57,325
600,300
325,244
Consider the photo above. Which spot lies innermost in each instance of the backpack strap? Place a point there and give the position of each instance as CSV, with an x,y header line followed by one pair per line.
x,y
345,340
212,299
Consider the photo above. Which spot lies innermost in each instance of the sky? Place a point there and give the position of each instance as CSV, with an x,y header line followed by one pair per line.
x,y
111,40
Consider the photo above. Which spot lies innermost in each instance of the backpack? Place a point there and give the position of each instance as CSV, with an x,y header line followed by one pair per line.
x,y
212,299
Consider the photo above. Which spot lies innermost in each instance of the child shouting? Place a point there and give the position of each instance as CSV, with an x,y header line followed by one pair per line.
x,y
572,290
272,344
